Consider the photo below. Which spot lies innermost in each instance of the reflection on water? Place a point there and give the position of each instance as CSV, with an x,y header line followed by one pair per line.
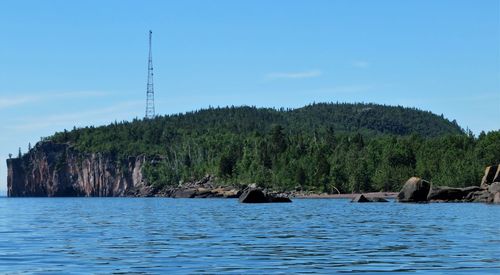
x,y
159,235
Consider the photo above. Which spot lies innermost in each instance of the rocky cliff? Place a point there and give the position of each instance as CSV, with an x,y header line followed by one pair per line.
x,y
57,170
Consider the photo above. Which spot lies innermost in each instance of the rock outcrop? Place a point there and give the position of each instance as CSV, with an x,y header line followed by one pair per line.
x,y
444,193
491,175
414,190
491,184
256,195
489,191
57,170
203,188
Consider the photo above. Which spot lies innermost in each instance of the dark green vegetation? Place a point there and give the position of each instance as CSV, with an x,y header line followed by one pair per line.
x,y
320,147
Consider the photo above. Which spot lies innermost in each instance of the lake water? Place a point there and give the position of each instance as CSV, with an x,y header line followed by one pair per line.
x,y
214,236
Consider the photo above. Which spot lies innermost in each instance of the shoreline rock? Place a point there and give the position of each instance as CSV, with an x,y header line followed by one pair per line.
x,y
489,191
257,195
363,198
414,190
203,188
491,175
444,193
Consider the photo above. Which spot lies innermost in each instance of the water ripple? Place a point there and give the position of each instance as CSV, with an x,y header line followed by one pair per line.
x,y
214,236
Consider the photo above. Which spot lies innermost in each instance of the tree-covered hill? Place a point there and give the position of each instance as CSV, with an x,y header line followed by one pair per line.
x,y
351,147
371,119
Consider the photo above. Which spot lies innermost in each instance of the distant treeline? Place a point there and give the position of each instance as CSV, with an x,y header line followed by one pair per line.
x,y
320,147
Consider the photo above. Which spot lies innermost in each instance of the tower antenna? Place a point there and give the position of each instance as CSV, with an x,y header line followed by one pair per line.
x,y
150,93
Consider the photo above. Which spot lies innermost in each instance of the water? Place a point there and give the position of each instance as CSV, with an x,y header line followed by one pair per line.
x,y
214,236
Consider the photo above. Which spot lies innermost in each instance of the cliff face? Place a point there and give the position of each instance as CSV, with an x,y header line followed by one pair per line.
x,y
57,170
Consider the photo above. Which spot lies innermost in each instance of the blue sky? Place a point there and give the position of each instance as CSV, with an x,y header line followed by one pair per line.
x,y
66,63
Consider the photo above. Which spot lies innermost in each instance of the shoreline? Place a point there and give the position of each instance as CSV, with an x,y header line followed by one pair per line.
x,y
385,195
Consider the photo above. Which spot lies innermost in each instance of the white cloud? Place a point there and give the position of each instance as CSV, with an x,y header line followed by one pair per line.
x,y
295,75
11,101
6,102
79,94
108,114
360,64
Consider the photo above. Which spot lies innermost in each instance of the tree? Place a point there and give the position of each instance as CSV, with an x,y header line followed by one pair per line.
x,y
300,176
187,160
227,164
278,140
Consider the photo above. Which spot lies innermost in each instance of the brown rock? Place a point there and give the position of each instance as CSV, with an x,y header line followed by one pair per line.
x,y
360,198
496,198
414,190
490,173
444,193
479,196
256,195
494,187
253,195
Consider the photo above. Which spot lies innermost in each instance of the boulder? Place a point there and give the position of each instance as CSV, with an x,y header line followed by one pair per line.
x,y
360,198
490,174
494,187
256,195
253,195
478,196
444,193
496,198
414,190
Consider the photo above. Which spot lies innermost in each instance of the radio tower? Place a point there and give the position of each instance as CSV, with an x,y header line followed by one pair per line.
x,y
150,93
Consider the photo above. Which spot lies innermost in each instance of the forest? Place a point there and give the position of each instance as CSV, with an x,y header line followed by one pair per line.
x,y
321,147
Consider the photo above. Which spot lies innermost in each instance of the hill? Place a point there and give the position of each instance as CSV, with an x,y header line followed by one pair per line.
x,y
350,147
366,119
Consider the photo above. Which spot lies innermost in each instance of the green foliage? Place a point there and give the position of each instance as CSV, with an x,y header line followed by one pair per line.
x,y
320,147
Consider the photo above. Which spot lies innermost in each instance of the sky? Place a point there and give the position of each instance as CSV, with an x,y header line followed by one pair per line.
x,y
82,63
